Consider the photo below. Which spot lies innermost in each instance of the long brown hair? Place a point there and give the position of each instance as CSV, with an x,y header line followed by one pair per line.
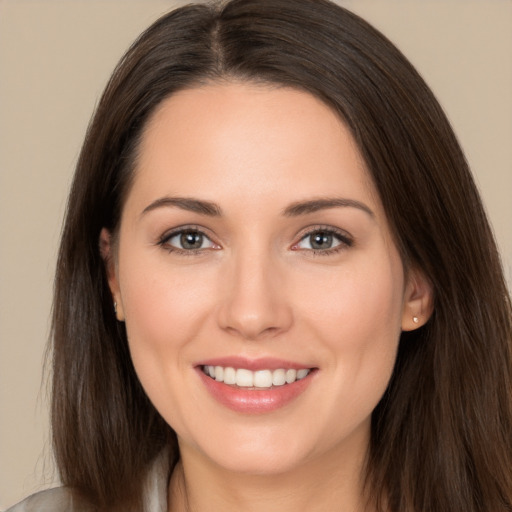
x,y
442,434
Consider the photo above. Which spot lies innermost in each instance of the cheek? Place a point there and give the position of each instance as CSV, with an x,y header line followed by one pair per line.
x,y
357,316
162,306
358,299
164,311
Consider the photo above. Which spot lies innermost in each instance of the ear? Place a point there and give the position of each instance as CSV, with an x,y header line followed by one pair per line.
x,y
108,256
418,301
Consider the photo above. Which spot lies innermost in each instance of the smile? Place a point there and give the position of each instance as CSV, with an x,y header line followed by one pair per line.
x,y
262,379
270,385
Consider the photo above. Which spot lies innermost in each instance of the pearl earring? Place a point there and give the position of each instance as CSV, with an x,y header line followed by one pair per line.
x,y
415,319
115,307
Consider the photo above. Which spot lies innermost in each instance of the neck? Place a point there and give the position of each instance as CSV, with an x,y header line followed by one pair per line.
x,y
321,484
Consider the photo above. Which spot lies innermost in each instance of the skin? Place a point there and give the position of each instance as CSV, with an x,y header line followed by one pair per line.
x,y
256,289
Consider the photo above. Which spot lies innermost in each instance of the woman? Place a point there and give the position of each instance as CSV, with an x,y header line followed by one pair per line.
x,y
277,287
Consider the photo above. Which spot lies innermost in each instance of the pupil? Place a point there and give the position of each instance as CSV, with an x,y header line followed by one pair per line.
x,y
191,240
321,241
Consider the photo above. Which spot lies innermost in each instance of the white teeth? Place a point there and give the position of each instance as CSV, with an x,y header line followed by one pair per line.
x,y
229,375
278,378
219,373
263,379
258,379
244,378
301,374
291,376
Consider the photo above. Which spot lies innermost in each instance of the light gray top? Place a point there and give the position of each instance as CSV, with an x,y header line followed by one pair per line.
x,y
60,499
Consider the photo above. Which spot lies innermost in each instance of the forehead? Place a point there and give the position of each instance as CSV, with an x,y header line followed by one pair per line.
x,y
251,140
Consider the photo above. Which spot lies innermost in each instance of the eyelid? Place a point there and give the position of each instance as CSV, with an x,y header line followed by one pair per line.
x,y
345,238
168,235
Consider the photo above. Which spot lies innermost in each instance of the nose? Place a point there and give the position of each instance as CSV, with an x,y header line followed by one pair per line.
x,y
254,303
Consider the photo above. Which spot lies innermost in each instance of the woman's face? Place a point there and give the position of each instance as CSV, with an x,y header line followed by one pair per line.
x,y
253,246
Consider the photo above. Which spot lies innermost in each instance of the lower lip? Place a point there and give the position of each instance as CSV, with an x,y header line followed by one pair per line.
x,y
255,401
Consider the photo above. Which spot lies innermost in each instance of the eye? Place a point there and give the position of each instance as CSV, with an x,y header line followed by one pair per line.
x,y
324,240
187,240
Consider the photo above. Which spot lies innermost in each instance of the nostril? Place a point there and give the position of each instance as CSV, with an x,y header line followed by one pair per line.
x,y
253,333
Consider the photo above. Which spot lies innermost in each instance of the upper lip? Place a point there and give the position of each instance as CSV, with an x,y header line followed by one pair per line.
x,y
264,363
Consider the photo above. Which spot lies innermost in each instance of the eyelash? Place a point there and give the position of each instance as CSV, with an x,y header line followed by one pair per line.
x,y
165,238
344,239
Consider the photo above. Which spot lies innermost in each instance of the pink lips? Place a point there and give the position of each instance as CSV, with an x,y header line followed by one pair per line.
x,y
264,363
252,400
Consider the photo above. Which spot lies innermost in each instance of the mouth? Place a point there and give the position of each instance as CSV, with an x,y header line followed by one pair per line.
x,y
255,386
260,379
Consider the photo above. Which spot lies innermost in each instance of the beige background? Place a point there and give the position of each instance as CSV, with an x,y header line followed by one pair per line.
x,y
55,57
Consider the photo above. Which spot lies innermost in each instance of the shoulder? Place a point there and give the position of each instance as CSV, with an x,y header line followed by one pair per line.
x,y
63,499
59,499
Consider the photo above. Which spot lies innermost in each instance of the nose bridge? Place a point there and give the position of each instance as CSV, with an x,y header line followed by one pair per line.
x,y
254,304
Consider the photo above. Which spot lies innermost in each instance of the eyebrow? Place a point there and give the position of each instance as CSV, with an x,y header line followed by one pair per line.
x,y
186,203
314,205
296,209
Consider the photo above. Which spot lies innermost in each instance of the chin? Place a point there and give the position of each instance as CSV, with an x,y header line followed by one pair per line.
x,y
260,464
259,454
